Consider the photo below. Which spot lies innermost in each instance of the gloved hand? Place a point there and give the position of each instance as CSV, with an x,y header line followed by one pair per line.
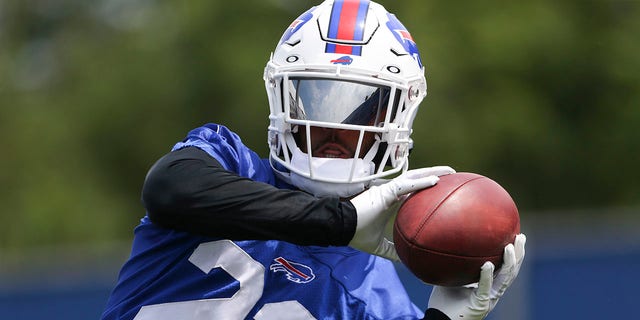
x,y
476,301
371,208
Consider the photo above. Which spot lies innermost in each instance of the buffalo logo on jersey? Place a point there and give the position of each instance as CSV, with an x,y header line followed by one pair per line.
x,y
295,272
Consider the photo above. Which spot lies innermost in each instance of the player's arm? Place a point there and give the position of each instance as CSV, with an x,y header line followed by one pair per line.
x,y
188,190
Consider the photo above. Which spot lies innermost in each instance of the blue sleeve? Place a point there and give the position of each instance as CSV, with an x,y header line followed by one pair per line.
x,y
227,147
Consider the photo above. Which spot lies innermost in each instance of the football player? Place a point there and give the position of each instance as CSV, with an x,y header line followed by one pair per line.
x,y
300,234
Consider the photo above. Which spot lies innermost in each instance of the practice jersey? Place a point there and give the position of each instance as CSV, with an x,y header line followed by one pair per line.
x,y
177,275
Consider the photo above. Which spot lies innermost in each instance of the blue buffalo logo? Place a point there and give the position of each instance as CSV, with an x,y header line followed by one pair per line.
x,y
404,37
296,25
295,272
344,60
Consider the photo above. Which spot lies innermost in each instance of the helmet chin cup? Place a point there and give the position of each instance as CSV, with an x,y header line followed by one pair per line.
x,y
312,174
370,81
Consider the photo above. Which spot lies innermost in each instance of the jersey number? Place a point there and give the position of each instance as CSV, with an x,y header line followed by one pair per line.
x,y
247,271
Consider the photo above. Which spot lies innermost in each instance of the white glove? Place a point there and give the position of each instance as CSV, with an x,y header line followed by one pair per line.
x,y
476,301
371,208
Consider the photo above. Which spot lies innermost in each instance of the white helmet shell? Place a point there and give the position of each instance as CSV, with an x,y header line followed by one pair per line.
x,y
327,69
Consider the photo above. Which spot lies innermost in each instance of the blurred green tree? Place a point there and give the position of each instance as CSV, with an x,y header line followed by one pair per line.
x,y
541,96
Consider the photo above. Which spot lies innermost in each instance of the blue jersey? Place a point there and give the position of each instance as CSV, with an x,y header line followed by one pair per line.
x,y
176,275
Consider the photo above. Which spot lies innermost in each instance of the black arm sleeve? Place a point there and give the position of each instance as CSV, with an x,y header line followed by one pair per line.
x,y
188,190
434,314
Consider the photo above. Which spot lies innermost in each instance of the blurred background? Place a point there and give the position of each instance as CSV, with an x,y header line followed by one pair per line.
x,y
542,96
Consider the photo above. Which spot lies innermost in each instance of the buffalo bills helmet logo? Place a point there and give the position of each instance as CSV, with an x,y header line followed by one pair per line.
x,y
404,37
295,272
296,25
344,60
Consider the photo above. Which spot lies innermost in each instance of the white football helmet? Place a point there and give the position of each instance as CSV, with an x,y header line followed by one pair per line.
x,y
349,65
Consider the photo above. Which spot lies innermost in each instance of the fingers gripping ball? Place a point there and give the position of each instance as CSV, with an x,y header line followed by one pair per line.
x,y
445,233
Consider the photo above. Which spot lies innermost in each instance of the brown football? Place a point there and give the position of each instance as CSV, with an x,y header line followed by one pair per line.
x,y
445,233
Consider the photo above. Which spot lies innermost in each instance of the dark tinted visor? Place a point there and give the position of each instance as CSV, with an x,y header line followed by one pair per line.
x,y
335,101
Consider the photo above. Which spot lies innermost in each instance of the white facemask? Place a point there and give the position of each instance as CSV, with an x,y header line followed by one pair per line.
x,y
331,168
